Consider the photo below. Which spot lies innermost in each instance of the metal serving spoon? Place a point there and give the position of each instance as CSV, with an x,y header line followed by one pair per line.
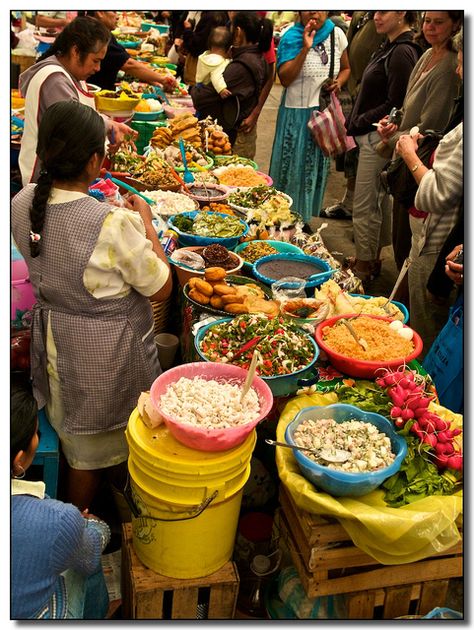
x,y
362,342
401,275
337,456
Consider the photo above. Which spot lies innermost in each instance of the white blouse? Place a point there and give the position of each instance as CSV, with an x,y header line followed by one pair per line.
x,y
304,91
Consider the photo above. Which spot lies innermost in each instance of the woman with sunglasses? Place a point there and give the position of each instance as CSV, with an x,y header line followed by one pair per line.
x,y
56,571
298,165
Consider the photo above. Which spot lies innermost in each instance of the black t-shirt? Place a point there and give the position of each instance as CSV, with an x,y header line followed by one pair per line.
x,y
114,59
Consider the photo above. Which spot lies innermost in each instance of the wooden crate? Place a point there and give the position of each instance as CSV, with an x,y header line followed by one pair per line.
x,y
329,563
148,595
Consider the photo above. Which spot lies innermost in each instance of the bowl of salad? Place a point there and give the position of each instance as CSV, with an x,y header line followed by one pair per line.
x,y
265,202
286,352
375,450
207,228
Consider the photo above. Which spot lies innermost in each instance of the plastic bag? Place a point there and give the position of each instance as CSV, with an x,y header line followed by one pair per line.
x,y
293,595
390,535
288,288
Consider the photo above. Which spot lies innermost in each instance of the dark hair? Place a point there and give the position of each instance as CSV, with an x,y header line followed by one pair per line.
x,y
86,33
454,16
23,418
257,30
220,37
69,134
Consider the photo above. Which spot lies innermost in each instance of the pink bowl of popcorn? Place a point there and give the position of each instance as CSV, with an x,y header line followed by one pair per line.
x,y
201,404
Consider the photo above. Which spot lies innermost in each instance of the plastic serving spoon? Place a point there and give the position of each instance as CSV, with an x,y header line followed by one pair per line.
x,y
401,275
188,176
249,378
131,189
337,456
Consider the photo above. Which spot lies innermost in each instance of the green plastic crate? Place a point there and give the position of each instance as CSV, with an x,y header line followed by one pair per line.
x,y
145,131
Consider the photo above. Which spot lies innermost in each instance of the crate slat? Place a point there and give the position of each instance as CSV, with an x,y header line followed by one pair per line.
x,y
361,605
185,601
432,593
397,601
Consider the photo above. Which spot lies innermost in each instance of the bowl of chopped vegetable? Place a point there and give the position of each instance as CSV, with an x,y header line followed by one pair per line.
x,y
286,352
206,228
201,404
375,450
388,344
251,251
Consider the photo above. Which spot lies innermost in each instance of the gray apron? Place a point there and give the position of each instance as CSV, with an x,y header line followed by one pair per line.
x,y
106,353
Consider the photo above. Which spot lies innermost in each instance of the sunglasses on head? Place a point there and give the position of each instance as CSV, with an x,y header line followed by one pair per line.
x,y
319,48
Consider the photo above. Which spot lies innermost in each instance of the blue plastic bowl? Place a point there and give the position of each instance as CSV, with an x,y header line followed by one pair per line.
x,y
402,307
185,239
281,246
149,116
129,44
312,281
282,385
335,482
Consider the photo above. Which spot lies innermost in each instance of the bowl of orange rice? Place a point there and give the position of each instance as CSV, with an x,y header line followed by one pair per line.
x,y
385,347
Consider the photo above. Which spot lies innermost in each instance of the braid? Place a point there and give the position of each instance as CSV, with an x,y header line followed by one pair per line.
x,y
38,209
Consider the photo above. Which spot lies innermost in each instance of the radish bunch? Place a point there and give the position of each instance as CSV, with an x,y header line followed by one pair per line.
x,y
407,390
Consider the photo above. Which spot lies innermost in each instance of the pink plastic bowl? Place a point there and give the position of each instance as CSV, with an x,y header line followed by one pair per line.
x,y
358,367
210,439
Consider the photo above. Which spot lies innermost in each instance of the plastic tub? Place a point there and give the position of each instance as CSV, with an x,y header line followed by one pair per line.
x,y
336,482
210,439
322,271
22,295
283,385
184,273
281,246
186,239
162,28
401,306
358,367
185,503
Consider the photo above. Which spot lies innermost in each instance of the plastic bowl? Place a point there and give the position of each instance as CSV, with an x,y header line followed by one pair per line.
x,y
184,273
282,385
336,482
193,169
281,246
322,271
127,44
401,306
221,160
243,210
358,367
221,193
185,239
210,439
149,116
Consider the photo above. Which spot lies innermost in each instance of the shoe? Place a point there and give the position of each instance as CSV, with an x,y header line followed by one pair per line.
x,y
338,211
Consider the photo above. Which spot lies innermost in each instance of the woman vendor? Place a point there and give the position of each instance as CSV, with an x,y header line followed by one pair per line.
x,y
60,74
298,165
94,269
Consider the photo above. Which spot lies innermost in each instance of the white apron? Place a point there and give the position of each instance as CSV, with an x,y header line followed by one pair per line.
x,y
28,157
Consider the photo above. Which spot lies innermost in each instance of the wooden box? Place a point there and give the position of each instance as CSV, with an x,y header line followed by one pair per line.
x,y
329,563
148,595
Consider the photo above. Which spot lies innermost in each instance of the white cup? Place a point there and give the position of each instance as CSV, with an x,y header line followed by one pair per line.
x,y
167,345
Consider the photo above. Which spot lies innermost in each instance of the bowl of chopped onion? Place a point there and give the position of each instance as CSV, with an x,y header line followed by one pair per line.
x,y
376,451
388,344
201,404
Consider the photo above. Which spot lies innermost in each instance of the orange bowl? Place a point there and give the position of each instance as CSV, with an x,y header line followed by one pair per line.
x,y
358,367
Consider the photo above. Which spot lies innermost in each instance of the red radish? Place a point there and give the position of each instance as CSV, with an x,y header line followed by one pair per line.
x,y
430,439
442,437
407,414
400,423
441,425
455,461
456,432
395,412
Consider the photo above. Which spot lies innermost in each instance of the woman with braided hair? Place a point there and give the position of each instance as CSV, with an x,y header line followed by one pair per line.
x,y
60,74
94,267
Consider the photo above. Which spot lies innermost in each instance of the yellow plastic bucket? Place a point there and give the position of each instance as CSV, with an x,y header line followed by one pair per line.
x,y
185,503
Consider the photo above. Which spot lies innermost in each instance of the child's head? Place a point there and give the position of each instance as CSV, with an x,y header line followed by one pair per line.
x,y
220,39
23,424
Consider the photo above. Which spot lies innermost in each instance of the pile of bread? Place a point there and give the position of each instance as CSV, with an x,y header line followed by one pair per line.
x,y
214,290
185,126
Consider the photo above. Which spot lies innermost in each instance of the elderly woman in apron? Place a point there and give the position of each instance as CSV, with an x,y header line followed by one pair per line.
x,y
94,269
60,74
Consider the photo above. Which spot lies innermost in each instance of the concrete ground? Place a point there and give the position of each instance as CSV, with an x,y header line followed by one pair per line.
x,y
338,235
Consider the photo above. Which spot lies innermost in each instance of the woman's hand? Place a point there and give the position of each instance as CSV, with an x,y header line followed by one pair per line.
x,y
139,205
309,33
453,270
406,146
118,133
386,129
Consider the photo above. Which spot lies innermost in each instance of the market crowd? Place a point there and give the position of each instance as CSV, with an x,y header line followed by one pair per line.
x,y
96,268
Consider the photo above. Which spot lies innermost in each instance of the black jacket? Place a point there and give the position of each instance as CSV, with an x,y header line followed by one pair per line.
x,y
245,77
384,83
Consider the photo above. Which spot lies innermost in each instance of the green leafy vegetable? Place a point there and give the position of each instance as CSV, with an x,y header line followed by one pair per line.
x,y
418,477
366,395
